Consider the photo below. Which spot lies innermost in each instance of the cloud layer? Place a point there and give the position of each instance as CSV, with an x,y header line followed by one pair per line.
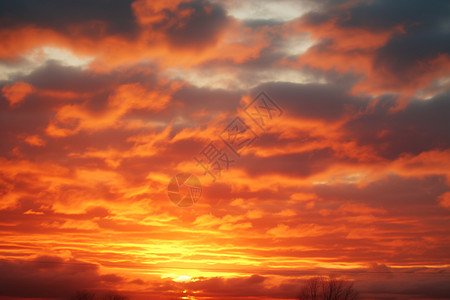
x,y
102,103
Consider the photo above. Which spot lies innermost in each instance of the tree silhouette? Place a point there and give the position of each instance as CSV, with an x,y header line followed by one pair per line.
x,y
327,288
86,295
83,295
113,296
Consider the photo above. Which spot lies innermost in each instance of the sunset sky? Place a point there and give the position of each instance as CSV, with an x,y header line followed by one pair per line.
x,y
103,102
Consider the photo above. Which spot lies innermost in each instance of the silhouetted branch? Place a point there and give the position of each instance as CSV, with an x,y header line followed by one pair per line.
x,y
328,288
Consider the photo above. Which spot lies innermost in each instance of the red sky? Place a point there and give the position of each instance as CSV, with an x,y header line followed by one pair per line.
x,y
103,102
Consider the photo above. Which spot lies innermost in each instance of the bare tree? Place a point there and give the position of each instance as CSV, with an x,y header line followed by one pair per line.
x,y
113,296
83,295
328,288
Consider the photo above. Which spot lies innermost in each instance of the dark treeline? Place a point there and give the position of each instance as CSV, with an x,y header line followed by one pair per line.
x,y
327,288
315,288
88,295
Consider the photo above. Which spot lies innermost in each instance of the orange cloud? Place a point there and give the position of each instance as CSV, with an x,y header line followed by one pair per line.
x,y
349,49
444,200
125,98
35,140
17,92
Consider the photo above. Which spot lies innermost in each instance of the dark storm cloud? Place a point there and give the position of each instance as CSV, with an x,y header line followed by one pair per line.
x,y
116,15
383,14
49,277
54,76
427,30
426,26
402,53
200,27
421,126
314,101
195,99
301,164
402,196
